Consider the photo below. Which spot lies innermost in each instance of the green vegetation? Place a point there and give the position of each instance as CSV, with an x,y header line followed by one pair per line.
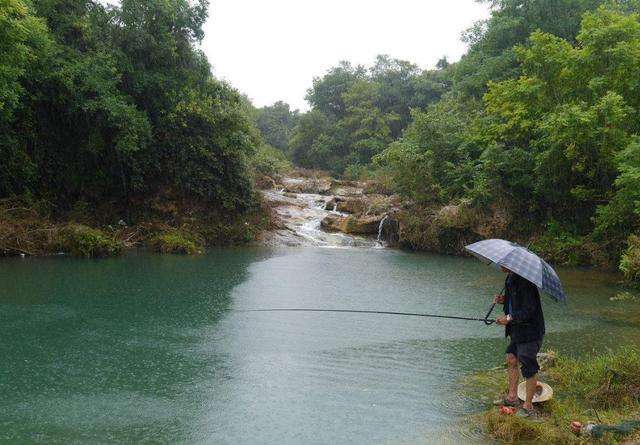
x,y
82,241
537,123
176,241
113,108
356,112
276,122
603,389
535,131
269,161
630,263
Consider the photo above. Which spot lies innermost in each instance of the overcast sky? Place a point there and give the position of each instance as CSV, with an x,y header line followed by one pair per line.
x,y
272,49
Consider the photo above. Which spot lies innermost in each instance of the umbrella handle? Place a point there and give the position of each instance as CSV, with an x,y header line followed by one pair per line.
x,y
486,317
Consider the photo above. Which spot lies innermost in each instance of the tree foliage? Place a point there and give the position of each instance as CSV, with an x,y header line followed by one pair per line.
x,y
356,112
121,105
276,123
557,139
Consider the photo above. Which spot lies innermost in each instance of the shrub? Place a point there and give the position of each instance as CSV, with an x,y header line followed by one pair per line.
x,y
176,241
561,246
83,241
630,262
269,161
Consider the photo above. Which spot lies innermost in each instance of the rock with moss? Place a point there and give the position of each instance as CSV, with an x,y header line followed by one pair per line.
x,y
83,241
177,242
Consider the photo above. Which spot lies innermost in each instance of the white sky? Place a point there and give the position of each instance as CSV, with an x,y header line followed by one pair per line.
x,y
272,49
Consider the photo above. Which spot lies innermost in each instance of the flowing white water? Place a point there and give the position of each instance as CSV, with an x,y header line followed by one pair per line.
x,y
380,227
299,217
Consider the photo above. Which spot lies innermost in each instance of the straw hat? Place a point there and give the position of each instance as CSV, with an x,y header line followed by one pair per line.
x,y
542,394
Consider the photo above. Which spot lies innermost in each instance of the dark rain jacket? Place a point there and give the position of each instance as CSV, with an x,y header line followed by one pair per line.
x,y
522,301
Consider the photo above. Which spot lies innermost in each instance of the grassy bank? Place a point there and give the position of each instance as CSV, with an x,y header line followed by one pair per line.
x,y
604,389
448,228
165,226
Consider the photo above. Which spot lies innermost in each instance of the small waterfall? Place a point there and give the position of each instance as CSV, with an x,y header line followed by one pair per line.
x,y
380,227
335,206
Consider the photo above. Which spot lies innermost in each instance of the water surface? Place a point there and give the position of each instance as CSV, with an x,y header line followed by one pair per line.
x,y
149,348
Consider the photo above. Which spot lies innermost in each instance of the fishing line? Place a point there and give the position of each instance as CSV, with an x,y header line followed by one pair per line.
x,y
487,321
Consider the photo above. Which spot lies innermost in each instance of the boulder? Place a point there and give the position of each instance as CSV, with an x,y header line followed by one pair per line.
x,y
452,217
362,225
320,186
367,205
348,191
352,205
334,223
355,225
390,232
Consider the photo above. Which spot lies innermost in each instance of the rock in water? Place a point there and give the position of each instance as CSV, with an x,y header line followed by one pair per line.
x,y
357,225
334,222
363,225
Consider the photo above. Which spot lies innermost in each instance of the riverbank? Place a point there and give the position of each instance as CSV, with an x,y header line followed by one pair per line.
x,y
369,208
165,226
309,208
603,389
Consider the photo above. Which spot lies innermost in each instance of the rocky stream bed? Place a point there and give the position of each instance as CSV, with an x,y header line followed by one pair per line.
x,y
325,212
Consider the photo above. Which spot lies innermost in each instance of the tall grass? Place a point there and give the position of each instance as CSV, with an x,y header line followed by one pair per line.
x,y
602,388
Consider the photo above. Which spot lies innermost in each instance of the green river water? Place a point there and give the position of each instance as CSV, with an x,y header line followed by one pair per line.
x,y
149,349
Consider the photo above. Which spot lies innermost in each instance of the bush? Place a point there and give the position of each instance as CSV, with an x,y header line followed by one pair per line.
x,y
630,262
83,241
560,246
176,241
269,161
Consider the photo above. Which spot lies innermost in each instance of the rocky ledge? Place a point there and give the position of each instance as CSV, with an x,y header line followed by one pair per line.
x,y
320,210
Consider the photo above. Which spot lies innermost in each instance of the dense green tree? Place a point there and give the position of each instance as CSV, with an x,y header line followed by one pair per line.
x,y
317,142
365,111
121,105
491,55
326,93
23,40
432,161
276,123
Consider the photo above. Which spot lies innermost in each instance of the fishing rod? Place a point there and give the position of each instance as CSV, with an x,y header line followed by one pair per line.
x,y
486,317
487,321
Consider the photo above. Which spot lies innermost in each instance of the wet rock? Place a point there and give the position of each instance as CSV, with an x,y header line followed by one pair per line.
x,y
334,223
357,225
320,186
363,225
364,205
352,205
389,230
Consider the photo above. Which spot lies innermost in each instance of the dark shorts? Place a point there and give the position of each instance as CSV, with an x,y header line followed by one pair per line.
x,y
527,356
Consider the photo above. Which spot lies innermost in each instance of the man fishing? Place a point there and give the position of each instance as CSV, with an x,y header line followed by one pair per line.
x,y
524,324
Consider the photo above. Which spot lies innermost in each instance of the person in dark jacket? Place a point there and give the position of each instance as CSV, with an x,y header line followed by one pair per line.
x,y
524,324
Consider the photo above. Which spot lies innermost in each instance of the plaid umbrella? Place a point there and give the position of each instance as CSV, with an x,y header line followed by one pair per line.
x,y
522,261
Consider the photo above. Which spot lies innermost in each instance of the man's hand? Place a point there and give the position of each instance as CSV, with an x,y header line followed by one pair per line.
x,y
498,299
503,320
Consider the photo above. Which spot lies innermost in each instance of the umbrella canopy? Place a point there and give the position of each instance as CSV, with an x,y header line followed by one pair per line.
x,y
522,261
